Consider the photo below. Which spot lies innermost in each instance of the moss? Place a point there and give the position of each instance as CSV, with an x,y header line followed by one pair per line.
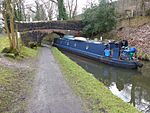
x,y
14,87
96,96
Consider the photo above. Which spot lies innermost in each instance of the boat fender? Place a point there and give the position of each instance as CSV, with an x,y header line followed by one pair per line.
x,y
133,49
107,52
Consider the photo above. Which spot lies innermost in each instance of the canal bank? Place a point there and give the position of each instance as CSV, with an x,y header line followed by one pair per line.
x,y
96,96
132,86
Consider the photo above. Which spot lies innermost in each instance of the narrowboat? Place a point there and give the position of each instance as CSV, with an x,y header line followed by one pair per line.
x,y
112,53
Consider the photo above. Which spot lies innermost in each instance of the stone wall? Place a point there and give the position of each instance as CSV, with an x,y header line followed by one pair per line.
x,y
34,36
36,31
65,25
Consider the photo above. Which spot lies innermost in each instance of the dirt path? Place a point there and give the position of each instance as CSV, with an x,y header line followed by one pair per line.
x,y
51,94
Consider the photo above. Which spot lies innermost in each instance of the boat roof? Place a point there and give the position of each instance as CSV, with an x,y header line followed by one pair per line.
x,y
80,38
71,37
68,36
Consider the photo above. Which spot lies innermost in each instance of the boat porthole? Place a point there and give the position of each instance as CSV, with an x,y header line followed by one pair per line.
x,y
87,47
75,45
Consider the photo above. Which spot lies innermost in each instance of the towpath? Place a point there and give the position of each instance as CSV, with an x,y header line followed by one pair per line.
x,y
51,94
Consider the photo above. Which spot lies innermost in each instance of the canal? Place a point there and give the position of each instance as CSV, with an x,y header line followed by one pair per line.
x,y
132,86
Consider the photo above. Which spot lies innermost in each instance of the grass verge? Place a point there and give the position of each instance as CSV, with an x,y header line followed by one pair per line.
x,y
15,83
28,52
4,42
97,97
25,52
14,89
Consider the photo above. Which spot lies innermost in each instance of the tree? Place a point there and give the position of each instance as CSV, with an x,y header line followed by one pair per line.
x,y
49,8
19,10
143,7
9,22
62,15
72,8
40,12
99,18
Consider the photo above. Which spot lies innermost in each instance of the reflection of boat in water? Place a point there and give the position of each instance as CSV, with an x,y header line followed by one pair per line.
x,y
132,86
112,53
102,71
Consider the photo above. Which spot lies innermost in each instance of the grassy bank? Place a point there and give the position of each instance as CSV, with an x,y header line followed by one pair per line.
x,y
15,82
4,42
14,89
24,51
134,22
96,96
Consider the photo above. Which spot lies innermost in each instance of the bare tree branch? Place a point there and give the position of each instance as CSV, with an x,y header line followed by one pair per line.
x,y
56,2
31,10
72,8
49,8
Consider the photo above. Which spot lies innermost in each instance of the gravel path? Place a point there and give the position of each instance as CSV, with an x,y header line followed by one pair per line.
x,y
51,94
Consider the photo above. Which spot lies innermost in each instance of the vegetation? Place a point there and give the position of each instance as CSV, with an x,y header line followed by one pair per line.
x,y
40,14
14,86
24,51
62,10
99,18
134,22
72,8
4,43
19,10
97,97
9,22
15,83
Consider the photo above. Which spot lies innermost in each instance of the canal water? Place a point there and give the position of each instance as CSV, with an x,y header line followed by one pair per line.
x,y
132,86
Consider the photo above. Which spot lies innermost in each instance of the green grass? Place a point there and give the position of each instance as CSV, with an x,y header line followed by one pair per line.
x,y
24,51
96,96
4,42
14,89
28,52
15,84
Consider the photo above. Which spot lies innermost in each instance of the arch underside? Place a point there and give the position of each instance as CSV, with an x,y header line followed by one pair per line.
x,y
38,35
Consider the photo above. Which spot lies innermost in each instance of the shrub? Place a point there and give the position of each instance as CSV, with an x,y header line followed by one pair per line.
x,y
99,18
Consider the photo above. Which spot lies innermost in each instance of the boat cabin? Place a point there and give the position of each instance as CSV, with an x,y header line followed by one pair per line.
x,y
113,49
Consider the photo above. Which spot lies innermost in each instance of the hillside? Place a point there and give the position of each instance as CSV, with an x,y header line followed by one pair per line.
x,y
138,35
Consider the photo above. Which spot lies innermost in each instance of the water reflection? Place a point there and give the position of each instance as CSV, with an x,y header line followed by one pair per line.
x,y
132,86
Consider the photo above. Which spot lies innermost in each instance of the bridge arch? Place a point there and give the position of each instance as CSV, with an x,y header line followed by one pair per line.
x,y
36,31
37,36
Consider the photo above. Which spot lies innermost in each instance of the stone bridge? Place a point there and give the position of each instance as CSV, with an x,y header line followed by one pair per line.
x,y
36,31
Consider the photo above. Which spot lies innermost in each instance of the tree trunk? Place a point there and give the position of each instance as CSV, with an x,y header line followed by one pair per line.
x,y
7,30
8,13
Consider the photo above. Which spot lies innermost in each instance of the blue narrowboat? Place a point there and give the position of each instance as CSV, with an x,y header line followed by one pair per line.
x,y
112,53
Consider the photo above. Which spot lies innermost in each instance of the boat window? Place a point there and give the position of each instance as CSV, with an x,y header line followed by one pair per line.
x,y
75,45
67,43
87,47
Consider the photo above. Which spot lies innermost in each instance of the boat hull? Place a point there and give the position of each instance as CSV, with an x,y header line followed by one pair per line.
x,y
99,58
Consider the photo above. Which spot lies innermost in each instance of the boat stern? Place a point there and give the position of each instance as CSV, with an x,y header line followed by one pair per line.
x,y
139,64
